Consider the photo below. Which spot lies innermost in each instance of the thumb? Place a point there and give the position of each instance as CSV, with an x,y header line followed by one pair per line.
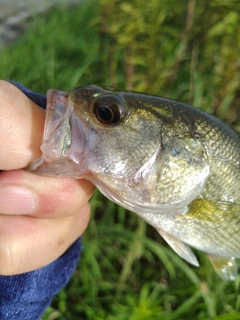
x,y
21,129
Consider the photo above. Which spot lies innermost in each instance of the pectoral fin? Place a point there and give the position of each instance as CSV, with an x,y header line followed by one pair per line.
x,y
225,267
180,248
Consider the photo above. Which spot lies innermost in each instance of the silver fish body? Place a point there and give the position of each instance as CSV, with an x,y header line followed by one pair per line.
x,y
175,166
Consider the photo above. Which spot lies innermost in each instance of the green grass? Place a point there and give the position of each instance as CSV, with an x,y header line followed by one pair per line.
x,y
187,51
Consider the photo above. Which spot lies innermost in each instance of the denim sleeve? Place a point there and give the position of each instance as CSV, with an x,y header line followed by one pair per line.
x,y
26,296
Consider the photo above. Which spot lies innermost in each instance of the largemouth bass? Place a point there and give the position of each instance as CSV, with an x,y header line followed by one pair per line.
x,y
175,166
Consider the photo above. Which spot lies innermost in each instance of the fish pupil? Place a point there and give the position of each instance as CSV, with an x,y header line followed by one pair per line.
x,y
104,113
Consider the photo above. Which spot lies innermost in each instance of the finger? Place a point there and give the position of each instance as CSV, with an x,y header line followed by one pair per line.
x,y
25,193
21,130
28,244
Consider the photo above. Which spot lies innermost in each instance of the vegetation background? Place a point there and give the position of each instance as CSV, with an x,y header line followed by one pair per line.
x,y
184,50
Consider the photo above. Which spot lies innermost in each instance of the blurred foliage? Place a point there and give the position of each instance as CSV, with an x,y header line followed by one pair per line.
x,y
188,50
184,50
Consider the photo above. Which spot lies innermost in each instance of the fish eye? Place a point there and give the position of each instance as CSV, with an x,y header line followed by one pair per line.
x,y
108,109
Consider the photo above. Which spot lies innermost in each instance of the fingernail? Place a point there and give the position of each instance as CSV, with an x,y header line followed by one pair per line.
x,y
16,200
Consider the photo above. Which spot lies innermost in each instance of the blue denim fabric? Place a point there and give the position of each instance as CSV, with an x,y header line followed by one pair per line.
x,y
26,296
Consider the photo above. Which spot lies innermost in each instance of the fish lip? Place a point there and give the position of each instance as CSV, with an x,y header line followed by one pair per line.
x,y
56,111
64,137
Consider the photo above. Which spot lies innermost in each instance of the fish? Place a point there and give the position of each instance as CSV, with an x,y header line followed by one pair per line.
x,y
175,166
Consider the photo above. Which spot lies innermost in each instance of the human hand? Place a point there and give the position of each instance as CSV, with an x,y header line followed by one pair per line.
x,y
40,217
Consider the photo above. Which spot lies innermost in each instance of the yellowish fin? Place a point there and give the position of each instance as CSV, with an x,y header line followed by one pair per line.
x,y
225,267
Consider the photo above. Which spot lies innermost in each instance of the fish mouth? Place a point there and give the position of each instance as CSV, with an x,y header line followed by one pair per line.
x,y
64,138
